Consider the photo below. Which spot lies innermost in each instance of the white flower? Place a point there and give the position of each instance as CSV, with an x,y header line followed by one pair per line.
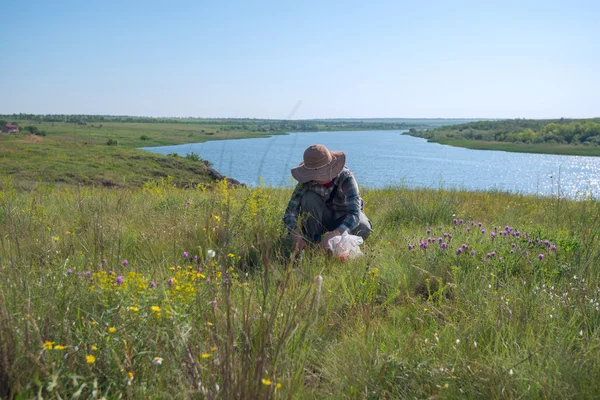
x,y
510,372
581,332
211,253
157,361
475,344
457,341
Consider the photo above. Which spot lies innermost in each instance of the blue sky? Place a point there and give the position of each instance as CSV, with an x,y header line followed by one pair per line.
x,y
489,59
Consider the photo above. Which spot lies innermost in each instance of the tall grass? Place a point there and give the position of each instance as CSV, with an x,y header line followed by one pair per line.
x,y
256,321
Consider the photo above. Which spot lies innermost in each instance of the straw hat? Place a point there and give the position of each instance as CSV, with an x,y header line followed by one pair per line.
x,y
319,164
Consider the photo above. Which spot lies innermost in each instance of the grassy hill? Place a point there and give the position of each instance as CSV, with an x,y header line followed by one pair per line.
x,y
460,295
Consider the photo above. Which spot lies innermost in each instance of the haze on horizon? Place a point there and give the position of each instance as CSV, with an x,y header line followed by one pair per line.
x,y
389,59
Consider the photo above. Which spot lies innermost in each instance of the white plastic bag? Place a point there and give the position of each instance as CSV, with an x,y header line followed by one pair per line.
x,y
346,246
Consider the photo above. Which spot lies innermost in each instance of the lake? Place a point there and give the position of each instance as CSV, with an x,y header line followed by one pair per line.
x,y
388,158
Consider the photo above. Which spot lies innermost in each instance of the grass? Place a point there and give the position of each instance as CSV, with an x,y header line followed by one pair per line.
x,y
257,322
541,148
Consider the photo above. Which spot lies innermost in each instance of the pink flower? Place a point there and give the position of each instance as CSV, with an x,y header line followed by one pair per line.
x,y
125,263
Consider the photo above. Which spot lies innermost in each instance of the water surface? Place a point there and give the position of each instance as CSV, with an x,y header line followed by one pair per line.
x,y
387,158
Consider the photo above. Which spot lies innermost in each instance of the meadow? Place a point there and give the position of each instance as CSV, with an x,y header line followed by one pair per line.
x,y
166,292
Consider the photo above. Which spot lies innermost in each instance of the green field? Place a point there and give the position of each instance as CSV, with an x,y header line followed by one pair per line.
x,y
77,320
76,152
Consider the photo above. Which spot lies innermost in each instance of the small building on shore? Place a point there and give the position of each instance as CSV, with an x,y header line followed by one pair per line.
x,y
10,128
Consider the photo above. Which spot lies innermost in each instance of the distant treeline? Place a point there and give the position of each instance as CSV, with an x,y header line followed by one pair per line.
x,y
566,131
256,125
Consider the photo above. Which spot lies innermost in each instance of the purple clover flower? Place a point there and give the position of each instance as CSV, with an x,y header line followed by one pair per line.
x,y
493,253
465,246
119,280
460,221
493,234
499,258
512,251
458,251
489,255
410,246
70,271
185,254
547,243
428,231
553,248
104,261
440,240
444,245
480,224
468,229
125,263
541,256
455,221
472,252
170,282
152,284
482,230
88,274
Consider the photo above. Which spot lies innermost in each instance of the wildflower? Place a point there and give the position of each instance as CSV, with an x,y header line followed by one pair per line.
x,y
511,372
119,280
185,254
129,377
512,251
205,355
214,348
157,361
230,255
170,282
195,258
493,253
94,347
472,252
493,235
455,221
133,308
459,251
104,261
553,248
217,218
70,271
155,309
428,231
444,245
457,341
59,347
88,274
125,263
266,382
465,246
90,359
278,386
112,329
152,284
468,229
580,334
410,246
541,256
547,243
475,344
499,258
94,323
48,345
211,253
482,230
489,255
460,221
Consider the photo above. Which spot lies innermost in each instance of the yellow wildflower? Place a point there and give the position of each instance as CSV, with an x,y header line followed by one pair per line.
x,y
94,323
133,308
231,255
217,218
59,347
266,382
278,386
209,323
205,355
155,309
214,348
112,329
90,359
130,376
48,345
94,347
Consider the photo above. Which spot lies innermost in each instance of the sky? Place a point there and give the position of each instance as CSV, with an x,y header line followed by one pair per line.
x,y
302,59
